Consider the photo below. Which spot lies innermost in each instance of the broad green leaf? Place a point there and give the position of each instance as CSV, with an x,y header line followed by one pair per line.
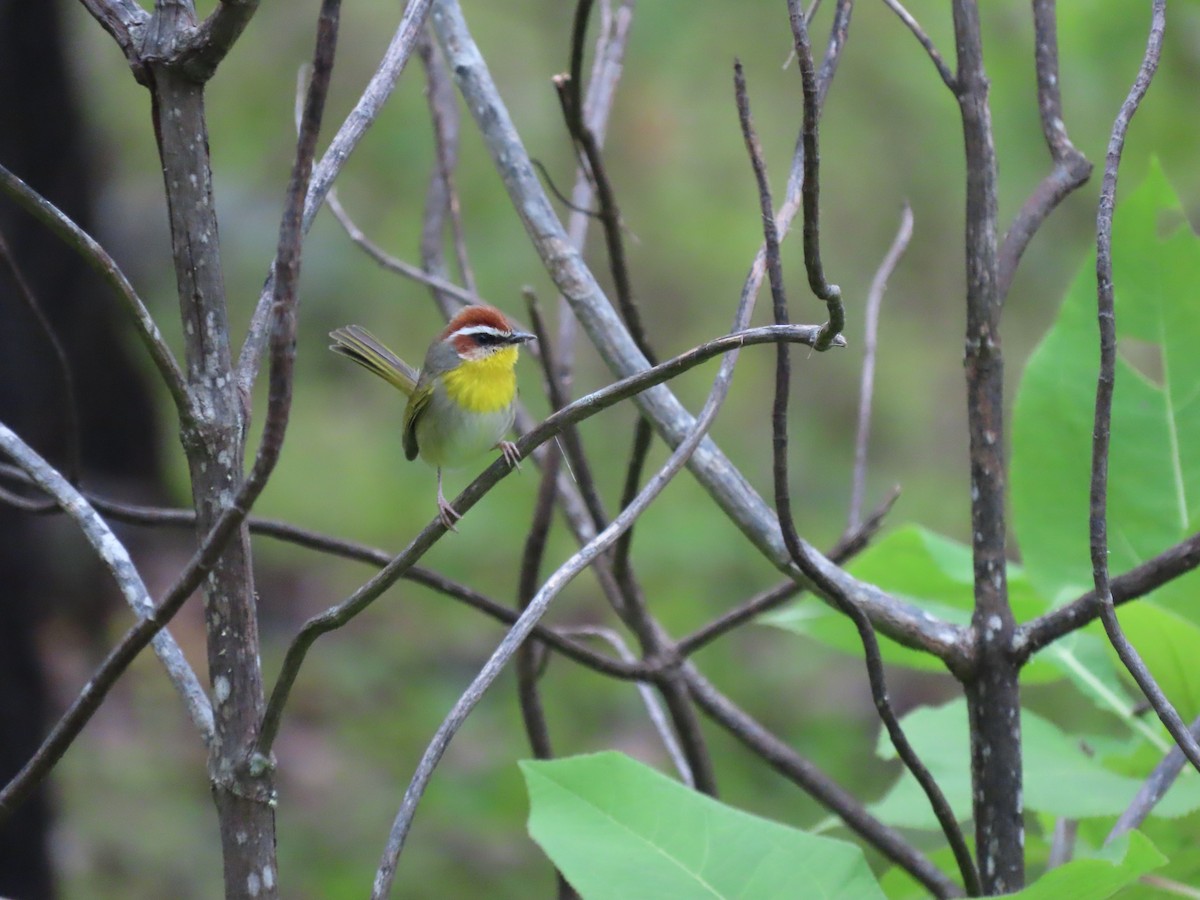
x,y
1169,644
930,571
1154,463
1087,659
1096,878
618,829
1060,777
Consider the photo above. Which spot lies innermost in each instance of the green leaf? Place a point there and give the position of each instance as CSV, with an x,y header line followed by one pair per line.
x,y
1154,464
1060,777
1088,660
1114,867
930,571
1169,644
618,829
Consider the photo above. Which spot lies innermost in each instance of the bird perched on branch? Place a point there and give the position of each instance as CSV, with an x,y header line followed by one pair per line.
x,y
460,403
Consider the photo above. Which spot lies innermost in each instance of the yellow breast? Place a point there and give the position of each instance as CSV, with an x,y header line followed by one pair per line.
x,y
484,385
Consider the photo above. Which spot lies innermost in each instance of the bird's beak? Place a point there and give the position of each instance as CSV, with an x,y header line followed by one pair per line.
x,y
521,337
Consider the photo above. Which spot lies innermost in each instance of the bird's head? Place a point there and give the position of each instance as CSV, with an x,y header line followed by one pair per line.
x,y
478,332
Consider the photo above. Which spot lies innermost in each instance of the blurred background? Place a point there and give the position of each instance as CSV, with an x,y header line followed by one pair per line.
x,y
372,694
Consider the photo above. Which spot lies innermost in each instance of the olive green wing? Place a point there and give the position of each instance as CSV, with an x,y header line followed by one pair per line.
x,y
418,402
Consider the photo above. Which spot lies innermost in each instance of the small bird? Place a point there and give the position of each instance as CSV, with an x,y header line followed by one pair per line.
x,y
460,404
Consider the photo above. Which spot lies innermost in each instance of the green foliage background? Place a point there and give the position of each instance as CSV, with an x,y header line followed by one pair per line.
x,y
371,695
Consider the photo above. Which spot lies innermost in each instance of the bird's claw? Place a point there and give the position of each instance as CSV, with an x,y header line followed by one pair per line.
x,y
447,515
511,454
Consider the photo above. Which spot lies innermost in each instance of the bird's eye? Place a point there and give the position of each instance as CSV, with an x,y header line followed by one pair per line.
x,y
487,339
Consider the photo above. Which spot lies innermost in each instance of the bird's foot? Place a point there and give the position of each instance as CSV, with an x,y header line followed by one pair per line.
x,y
446,513
511,454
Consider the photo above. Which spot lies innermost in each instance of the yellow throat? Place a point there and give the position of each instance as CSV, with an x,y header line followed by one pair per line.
x,y
484,385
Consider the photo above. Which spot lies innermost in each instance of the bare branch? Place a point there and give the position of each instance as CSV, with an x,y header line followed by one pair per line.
x,y
658,718
811,189
783,503
1071,168
205,46
993,691
1153,789
95,256
1098,519
870,339
392,263
914,26
365,111
441,198
126,22
116,559
1137,582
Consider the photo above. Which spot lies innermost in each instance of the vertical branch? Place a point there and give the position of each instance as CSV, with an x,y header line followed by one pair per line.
x,y
993,693
1071,168
215,444
858,489
441,198
1101,432
783,504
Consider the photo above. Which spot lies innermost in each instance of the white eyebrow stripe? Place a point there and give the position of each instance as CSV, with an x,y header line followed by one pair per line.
x,y
481,329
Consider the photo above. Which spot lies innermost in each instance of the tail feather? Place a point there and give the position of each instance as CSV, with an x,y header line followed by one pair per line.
x,y
358,344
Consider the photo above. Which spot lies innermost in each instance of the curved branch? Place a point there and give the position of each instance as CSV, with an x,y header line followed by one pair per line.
x,y
1104,393
116,559
97,257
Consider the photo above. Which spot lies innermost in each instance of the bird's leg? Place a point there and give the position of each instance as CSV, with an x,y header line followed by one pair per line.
x,y
446,512
511,454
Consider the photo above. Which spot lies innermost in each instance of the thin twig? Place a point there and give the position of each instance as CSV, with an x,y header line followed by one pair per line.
x,y
96,256
858,488
360,118
1101,432
925,41
1071,168
70,401
811,189
1153,789
779,415
658,718
1137,582
532,712
392,263
764,601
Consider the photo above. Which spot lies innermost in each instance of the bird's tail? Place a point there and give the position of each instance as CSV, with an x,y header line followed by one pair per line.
x,y
358,344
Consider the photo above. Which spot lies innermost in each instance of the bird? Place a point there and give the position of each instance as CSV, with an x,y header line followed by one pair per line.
x,y
461,402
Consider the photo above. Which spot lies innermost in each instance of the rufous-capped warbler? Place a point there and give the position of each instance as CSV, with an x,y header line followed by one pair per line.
x,y
460,404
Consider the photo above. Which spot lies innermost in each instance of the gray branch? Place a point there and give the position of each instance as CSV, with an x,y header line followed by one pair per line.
x,y
116,559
